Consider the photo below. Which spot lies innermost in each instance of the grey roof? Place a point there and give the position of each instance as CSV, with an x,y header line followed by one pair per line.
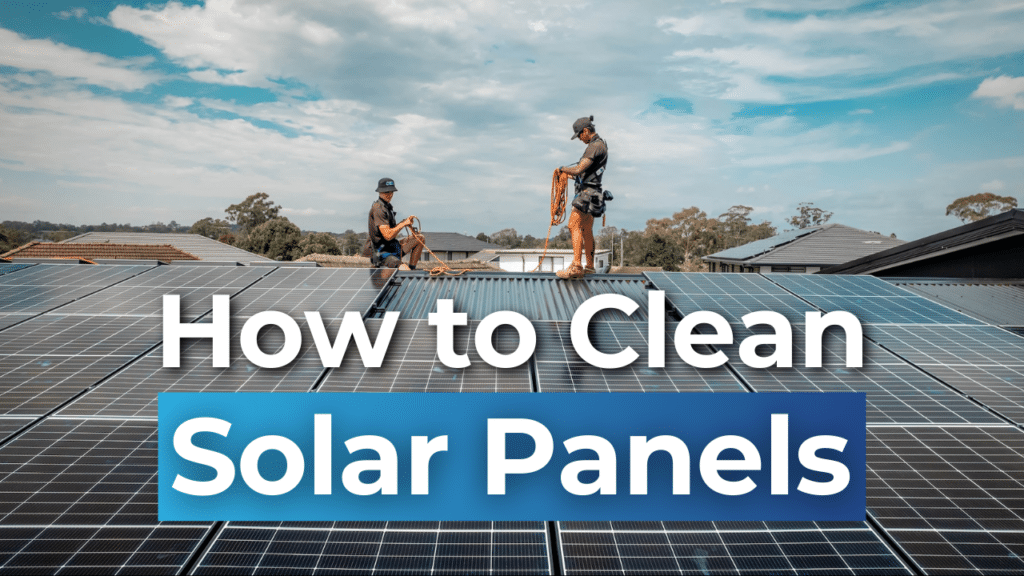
x,y
999,302
455,242
822,246
991,229
200,246
758,247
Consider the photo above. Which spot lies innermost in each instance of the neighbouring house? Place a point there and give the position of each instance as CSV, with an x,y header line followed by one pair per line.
x,y
450,246
526,259
203,248
98,251
803,251
989,248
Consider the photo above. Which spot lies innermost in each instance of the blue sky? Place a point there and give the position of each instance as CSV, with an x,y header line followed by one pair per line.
x,y
882,112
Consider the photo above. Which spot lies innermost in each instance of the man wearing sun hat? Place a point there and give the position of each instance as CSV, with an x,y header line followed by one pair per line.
x,y
385,250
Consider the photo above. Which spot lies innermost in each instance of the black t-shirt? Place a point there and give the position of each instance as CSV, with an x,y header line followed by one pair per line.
x,y
597,151
381,214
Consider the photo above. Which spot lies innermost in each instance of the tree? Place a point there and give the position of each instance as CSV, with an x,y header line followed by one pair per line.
x,y
277,239
253,211
977,206
211,228
808,215
319,243
482,237
352,243
507,238
735,228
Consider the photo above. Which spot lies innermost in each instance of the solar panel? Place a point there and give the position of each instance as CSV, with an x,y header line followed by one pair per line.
x,y
871,300
950,497
146,301
951,345
896,391
381,548
8,268
332,292
60,335
734,307
9,426
72,275
98,549
7,320
412,365
694,284
991,301
724,548
751,249
39,299
185,276
133,391
32,385
560,369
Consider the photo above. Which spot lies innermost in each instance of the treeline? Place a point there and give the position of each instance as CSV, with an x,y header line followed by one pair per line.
x,y
14,233
676,243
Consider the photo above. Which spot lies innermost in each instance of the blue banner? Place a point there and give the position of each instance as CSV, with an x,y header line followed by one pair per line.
x,y
615,456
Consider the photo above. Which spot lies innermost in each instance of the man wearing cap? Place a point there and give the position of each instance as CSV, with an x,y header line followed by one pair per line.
x,y
587,173
385,250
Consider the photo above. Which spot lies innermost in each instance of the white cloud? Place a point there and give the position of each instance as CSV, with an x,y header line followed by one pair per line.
x,y
77,13
860,111
1007,91
829,155
538,26
993,186
309,212
65,61
177,101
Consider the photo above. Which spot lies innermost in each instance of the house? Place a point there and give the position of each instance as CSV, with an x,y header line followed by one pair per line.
x,y
802,251
203,248
98,251
449,246
526,259
989,248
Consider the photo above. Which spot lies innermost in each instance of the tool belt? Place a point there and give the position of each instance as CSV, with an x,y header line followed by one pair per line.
x,y
591,201
389,248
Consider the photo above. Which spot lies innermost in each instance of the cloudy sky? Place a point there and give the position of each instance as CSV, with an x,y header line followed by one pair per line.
x,y
882,112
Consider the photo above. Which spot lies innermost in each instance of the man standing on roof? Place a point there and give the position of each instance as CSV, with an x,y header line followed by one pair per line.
x,y
589,200
385,250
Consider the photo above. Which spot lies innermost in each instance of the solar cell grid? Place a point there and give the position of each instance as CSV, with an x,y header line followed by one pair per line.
x,y
836,285
412,365
72,275
892,310
1000,388
132,393
716,548
330,303
560,369
7,320
80,472
324,279
32,386
734,307
59,335
693,283
385,549
39,299
9,426
185,276
951,345
98,549
146,301
946,479
8,268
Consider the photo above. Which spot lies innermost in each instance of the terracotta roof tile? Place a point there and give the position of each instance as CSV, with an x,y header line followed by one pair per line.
x,y
84,251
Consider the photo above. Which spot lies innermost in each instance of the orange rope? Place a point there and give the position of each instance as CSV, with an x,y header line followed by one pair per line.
x,y
559,182
443,269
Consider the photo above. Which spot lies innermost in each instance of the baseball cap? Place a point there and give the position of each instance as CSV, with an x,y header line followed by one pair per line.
x,y
386,185
579,125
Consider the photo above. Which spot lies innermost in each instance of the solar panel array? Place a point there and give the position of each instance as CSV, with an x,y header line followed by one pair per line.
x,y
81,367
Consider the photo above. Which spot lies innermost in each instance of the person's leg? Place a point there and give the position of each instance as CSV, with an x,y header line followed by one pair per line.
x,y
587,223
575,270
414,248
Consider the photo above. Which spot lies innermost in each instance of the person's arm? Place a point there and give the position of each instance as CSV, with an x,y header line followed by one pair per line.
x,y
578,168
389,233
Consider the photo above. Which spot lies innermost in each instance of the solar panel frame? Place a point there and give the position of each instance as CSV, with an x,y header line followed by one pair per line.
x,y
10,426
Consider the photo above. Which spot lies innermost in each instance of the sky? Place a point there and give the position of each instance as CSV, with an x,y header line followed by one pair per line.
x,y
138,112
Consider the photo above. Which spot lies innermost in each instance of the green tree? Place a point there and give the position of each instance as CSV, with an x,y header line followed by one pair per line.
x,y
809,215
735,228
507,238
654,246
253,211
211,228
482,237
319,243
12,238
977,206
277,239
352,243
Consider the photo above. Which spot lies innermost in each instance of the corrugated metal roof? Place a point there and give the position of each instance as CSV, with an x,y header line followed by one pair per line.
x,y
997,302
536,296
758,247
823,246
202,247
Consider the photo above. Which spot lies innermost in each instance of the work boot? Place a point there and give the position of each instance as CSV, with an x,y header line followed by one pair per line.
x,y
589,270
570,273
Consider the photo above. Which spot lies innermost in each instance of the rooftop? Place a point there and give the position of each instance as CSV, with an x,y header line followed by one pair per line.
x,y
203,248
817,246
101,251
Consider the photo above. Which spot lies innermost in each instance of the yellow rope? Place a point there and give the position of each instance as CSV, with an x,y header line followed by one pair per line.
x,y
443,269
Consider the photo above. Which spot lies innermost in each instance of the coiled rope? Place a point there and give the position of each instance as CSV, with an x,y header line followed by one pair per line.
x,y
559,183
443,269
